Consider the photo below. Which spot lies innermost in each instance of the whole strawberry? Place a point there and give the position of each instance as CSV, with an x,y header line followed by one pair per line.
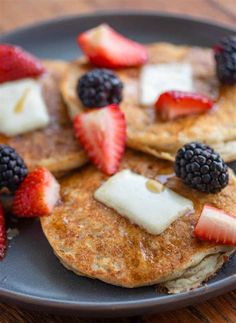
x,y
3,235
15,63
37,194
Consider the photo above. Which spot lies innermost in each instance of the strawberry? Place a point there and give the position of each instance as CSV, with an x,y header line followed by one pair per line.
x,y
36,195
106,48
173,104
3,235
16,64
216,225
102,133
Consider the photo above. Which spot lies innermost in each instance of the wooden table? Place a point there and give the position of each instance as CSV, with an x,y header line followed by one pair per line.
x,y
16,13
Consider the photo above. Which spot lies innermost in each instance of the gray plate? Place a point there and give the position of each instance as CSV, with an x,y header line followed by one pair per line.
x,y
31,275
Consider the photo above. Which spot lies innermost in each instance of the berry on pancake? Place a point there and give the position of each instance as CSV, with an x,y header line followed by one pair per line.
x,y
17,64
173,104
102,133
12,168
200,167
105,47
225,56
37,194
216,225
99,87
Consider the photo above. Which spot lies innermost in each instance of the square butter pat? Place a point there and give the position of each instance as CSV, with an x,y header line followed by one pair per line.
x,y
22,107
129,194
156,79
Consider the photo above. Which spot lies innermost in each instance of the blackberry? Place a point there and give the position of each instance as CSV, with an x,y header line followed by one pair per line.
x,y
200,167
225,56
12,168
99,87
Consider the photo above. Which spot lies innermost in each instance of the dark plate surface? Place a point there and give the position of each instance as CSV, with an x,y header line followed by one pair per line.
x,y
31,275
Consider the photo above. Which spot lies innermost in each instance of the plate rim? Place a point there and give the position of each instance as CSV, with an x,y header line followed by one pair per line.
x,y
215,288
229,283
108,13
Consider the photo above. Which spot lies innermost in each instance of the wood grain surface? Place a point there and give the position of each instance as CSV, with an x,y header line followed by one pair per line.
x,y
18,13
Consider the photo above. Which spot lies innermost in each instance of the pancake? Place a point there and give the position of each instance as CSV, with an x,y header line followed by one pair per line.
x,y
95,241
162,139
54,146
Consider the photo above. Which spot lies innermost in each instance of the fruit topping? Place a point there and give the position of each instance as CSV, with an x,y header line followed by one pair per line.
x,y
17,64
3,235
37,194
102,133
216,225
105,47
12,168
99,87
173,104
200,167
225,56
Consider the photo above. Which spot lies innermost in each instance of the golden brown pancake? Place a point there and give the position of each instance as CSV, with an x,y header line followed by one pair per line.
x,y
162,139
53,146
95,241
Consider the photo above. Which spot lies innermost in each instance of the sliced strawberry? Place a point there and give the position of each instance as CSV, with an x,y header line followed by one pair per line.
x,y
106,48
102,133
3,235
36,195
15,63
173,104
216,225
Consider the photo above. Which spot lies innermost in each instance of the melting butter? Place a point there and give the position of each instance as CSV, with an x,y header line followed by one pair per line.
x,y
154,186
22,107
19,107
144,202
159,78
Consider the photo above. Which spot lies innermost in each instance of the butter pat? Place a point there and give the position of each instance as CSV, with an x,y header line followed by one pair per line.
x,y
134,197
156,79
22,107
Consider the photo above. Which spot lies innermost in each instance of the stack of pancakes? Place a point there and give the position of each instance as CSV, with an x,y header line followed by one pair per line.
x,y
95,241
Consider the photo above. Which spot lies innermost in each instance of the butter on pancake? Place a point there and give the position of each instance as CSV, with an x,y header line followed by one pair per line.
x,y
22,107
162,139
95,241
144,201
54,146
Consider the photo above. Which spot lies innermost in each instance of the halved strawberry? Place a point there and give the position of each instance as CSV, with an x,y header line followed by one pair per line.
x,y
216,225
15,63
107,48
173,104
37,194
3,235
102,133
